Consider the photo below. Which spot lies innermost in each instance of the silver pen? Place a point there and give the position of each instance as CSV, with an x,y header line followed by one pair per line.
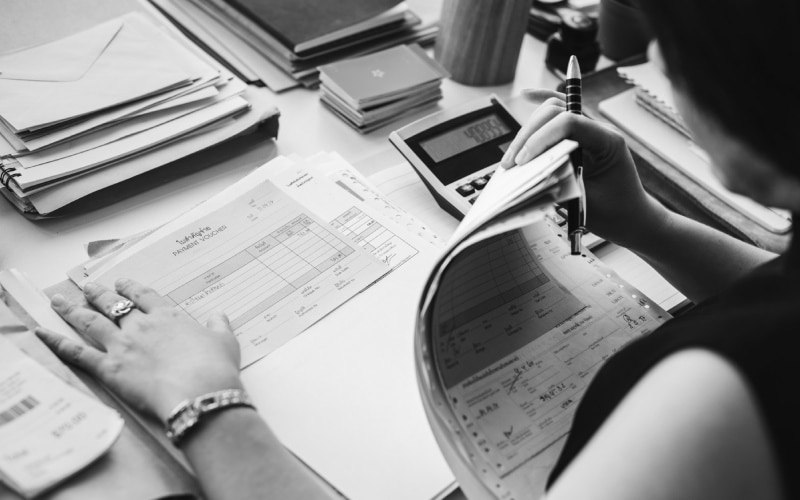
x,y
576,209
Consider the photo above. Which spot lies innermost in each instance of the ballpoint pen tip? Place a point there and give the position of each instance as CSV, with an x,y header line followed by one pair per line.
x,y
573,69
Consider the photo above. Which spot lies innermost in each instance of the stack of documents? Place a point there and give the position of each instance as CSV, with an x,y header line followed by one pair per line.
x,y
281,43
370,91
310,245
99,106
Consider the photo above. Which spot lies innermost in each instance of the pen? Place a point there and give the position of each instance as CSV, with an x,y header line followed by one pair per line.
x,y
576,209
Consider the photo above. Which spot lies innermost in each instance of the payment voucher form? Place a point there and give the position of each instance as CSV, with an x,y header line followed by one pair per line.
x,y
264,259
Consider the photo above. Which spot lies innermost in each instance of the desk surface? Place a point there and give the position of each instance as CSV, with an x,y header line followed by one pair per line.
x,y
46,249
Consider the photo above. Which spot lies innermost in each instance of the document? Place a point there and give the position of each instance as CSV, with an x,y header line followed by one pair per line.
x,y
60,194
264,259
519,336
103,116
114,63
324,386
512,327
148,119
279,256
42,139
48,429
37,177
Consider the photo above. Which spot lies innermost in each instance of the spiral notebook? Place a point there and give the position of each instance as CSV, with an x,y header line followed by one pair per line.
x,y
626,111
654,93
89,101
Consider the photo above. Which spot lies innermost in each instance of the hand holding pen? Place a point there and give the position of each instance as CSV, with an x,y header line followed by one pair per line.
x,y
622,211
520,151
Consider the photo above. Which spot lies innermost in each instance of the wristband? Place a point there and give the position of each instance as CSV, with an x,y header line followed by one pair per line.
x,y
188,413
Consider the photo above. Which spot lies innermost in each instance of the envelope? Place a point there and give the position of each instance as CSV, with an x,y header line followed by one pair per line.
x,y
61,60
113,63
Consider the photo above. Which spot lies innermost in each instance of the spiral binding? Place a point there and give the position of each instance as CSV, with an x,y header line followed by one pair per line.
x,y
7,174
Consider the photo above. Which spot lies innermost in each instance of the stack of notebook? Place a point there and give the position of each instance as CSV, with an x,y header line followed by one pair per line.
x,y
257,39
104,104
370,91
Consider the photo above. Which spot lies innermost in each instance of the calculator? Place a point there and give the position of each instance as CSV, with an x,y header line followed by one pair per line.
x,y
455,151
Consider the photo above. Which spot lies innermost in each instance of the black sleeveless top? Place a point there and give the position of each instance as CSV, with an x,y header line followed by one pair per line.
x,y
755,325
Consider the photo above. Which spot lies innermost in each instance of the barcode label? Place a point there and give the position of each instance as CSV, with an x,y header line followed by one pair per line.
x,y
19,409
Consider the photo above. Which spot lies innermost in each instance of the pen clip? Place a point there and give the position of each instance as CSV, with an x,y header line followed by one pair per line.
x,y
577,224
582,205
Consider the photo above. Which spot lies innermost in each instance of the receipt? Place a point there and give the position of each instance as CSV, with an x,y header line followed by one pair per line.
x,y
48,429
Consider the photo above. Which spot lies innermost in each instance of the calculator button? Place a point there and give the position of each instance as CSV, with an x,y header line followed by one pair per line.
x,y
488,176
479,183
472,200
465,190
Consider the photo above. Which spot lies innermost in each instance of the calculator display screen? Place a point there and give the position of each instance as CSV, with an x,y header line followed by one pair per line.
x,y
465,137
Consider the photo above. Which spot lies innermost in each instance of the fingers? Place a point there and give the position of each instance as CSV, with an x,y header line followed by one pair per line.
x,y
144,297
542,139
598,142
74,353
87,322
104,299
219,323
517,152
539,96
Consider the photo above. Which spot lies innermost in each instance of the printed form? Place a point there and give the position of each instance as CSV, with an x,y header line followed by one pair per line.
x,y
275,256
520,327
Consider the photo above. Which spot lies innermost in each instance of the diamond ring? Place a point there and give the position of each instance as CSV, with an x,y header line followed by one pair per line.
x,y
120,309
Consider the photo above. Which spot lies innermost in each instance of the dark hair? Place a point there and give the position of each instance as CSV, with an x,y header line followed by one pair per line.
x,y
734,58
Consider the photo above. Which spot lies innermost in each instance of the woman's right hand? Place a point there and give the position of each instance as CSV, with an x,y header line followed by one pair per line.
x,y
155,356
618,208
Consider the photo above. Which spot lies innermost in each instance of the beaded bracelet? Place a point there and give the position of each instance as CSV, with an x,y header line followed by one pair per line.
x,y
189,412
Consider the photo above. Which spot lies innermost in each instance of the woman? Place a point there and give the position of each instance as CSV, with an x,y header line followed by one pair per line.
x,y
698,409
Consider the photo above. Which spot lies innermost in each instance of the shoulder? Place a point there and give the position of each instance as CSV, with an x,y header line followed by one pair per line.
x,y
696,381
690,428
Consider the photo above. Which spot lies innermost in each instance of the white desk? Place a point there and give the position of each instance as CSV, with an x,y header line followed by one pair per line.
x,y
46,249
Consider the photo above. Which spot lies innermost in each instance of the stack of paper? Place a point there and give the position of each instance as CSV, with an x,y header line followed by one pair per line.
x,y
370,91
282,42
349,248
125,94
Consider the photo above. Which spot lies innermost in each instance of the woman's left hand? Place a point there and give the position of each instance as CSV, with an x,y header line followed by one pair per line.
x,y
155,356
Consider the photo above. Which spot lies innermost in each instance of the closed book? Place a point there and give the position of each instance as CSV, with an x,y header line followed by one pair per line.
x,y
303,25
382,76
382,114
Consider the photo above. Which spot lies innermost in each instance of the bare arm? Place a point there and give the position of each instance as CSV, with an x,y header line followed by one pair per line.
x,y
698,260
236,456
672,437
